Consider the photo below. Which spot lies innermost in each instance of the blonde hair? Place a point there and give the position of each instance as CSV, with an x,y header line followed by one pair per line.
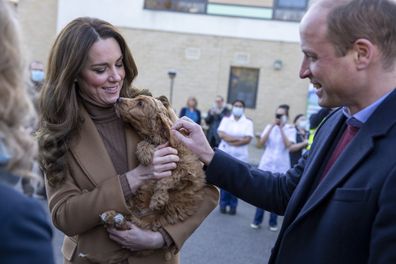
x,y
16,110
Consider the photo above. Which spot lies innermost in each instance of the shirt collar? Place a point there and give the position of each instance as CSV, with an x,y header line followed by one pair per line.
x,y
361,117
240,119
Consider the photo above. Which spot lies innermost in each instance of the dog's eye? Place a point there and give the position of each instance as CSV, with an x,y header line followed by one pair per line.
x,y
140,103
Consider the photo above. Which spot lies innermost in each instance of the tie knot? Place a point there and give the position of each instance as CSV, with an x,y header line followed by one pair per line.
x,y
353,122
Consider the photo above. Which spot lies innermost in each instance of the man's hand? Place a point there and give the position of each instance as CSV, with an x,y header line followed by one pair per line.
x,y
192,136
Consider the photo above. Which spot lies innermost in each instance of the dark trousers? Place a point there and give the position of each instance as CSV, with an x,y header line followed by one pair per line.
x,y
259,215
227,199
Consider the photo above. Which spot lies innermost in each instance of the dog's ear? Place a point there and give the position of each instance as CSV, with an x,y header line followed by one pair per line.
x,y
164,100
166,124
170,112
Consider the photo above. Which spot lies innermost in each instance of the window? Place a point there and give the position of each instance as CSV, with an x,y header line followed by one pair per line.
x,y
291,10
186,6
288,10
243,85
298,4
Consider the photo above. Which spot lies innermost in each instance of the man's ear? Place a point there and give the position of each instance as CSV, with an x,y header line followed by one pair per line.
x,y
364,53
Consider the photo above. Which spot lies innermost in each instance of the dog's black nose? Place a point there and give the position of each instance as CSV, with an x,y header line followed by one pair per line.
x,y
118,100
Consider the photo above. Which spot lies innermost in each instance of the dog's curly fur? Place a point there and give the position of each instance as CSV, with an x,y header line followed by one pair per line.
x,y
171,199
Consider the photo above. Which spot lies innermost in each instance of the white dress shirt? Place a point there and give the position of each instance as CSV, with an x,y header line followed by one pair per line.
x,y
276,156
236,128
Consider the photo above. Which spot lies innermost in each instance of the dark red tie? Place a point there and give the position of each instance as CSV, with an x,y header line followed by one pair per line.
x,y
346,137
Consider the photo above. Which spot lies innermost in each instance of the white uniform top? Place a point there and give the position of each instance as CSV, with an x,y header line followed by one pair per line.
x,y
236,128
276,156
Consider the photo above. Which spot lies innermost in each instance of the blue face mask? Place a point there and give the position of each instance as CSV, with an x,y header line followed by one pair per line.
x,y
37,76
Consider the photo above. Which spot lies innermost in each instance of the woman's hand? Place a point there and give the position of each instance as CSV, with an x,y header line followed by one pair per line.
x,y
136,239
164,161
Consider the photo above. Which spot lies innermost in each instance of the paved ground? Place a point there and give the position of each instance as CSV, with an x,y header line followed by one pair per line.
x,y
225,239
221,239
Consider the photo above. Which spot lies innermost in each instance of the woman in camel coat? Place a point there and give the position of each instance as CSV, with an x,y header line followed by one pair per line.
x,y
88,153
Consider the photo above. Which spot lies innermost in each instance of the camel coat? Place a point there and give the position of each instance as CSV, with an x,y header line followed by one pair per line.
x,y
92,187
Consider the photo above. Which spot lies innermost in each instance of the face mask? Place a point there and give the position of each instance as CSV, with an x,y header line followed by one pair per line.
x,y
37,75
284,119
237,111
302,124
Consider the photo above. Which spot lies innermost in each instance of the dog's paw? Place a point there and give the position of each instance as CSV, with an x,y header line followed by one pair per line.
x,y
145,152
113,219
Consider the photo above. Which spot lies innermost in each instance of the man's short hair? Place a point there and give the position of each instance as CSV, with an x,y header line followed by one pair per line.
x,y
373,20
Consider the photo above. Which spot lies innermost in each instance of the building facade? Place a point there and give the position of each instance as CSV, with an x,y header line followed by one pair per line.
x,y
238,49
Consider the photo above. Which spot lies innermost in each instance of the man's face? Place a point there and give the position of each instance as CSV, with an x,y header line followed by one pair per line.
x,y
219,102
333,76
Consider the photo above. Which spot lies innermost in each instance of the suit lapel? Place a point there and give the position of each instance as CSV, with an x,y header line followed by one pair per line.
x,y
89,151
316,157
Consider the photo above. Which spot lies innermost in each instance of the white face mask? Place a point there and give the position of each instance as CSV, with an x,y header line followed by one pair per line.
x,y
302,124
237,111
284,119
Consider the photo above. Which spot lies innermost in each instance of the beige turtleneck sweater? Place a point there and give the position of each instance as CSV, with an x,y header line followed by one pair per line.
x,y
112,132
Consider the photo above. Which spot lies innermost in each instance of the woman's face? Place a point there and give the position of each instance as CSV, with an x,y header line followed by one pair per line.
x,y
191,103
103,74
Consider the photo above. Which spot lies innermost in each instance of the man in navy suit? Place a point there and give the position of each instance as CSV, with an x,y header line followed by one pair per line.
x,y
339,201
25,232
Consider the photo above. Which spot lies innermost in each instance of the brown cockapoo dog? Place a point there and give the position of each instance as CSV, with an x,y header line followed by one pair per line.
x,y
171,199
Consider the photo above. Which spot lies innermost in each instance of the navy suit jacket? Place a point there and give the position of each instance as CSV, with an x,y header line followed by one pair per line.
x,y
351,216
25,233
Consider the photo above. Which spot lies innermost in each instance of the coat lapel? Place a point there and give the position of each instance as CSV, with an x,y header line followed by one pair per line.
x,y
89,151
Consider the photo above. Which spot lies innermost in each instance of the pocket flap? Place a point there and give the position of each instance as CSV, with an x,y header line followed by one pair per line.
x,y
351,194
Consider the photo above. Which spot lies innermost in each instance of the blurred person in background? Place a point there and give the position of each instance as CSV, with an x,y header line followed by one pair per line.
x,y
26,234
314,121
89,154
213,119
276,138
301,142
236,132
37,76
191,110
31,187
37,73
